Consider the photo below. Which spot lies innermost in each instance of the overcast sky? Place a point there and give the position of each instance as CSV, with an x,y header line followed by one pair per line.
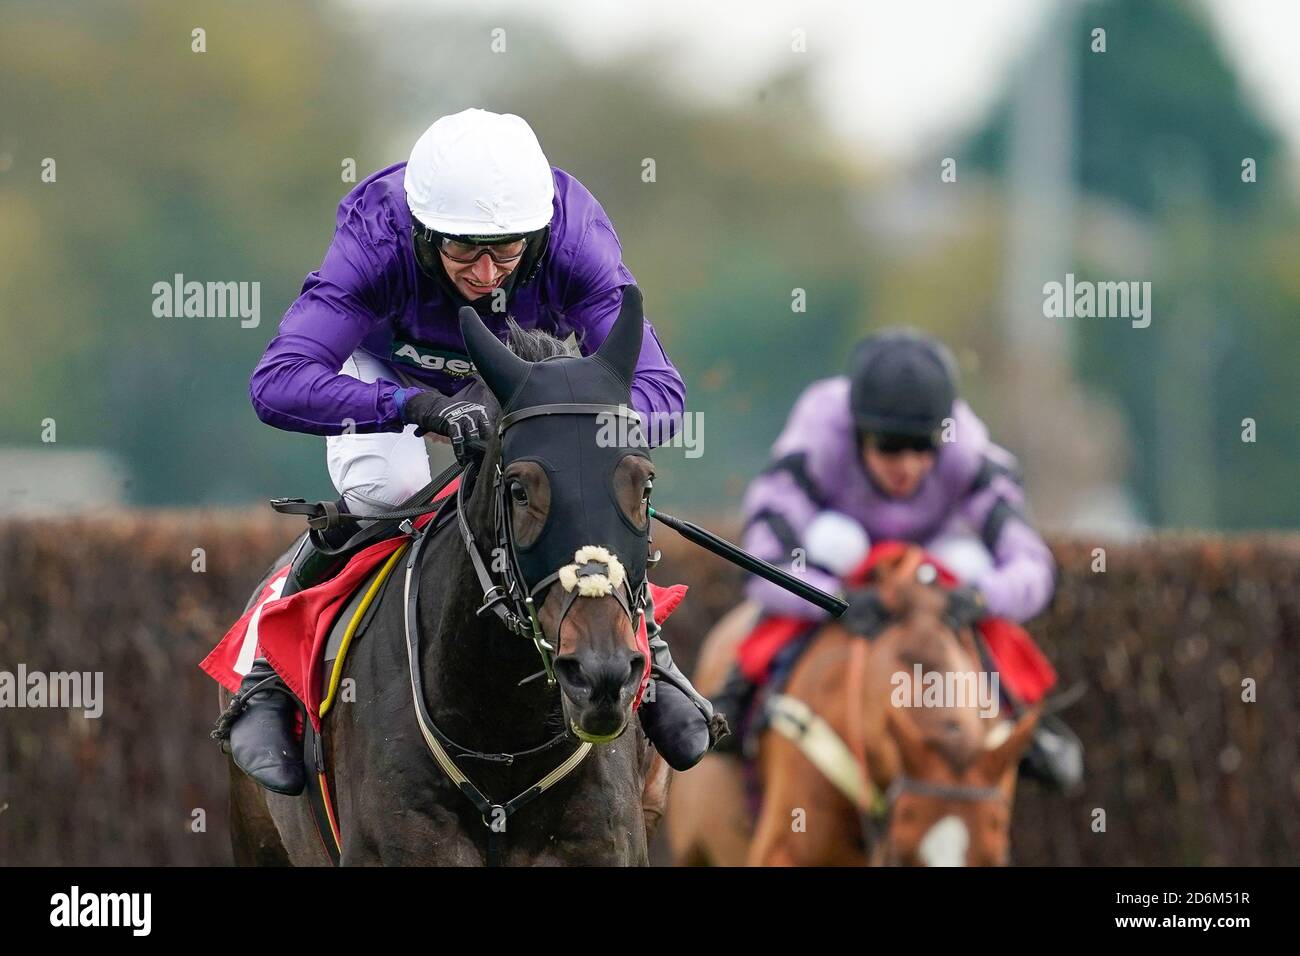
x,y
892,76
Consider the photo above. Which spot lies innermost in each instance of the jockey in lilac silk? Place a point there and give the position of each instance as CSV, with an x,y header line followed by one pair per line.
x,y
890,452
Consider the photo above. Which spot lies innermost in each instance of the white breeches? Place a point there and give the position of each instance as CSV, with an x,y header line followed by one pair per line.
x,y
378,471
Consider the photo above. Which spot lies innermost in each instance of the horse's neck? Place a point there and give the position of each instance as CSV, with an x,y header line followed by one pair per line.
x,y
472,665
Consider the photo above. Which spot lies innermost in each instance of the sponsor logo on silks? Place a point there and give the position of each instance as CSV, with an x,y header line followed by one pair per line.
x,y
433,360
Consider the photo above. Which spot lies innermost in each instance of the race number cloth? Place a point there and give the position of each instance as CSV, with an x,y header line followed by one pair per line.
x,y
1023,668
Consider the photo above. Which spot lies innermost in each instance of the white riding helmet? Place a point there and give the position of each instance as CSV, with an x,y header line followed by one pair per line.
x,y
477,173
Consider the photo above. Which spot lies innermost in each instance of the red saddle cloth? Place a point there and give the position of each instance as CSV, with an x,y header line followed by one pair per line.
x,y
1025,670
291,632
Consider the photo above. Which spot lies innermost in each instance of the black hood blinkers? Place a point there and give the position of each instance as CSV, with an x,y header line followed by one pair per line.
x,y
587,543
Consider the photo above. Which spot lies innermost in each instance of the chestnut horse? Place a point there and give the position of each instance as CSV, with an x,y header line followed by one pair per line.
x,y
884,784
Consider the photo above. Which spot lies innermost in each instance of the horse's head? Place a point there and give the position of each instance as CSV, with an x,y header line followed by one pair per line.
x,y
949,807
954,763
571,481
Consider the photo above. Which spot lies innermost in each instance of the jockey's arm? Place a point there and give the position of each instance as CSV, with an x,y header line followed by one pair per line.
x,y
779,506
1021,581
593,300
297,385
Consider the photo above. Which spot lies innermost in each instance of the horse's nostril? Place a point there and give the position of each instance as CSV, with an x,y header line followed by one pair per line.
x,y
636,668
571,672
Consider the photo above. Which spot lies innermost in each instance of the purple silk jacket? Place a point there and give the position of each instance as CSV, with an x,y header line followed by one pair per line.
x,y
973,487
369,293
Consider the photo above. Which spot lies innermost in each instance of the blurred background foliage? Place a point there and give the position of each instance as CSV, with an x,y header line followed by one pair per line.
x,y
227,166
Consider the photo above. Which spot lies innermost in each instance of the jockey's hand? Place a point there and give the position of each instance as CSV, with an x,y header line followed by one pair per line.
x,y
966,607
866,613
465,424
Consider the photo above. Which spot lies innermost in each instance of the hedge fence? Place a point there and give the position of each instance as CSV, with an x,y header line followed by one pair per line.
x,y
1172,641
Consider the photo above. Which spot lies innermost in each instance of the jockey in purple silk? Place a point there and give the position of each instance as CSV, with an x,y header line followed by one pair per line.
x,y
889,452
370,355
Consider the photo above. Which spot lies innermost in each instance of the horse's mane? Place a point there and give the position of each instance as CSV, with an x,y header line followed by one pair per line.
x,y
534,345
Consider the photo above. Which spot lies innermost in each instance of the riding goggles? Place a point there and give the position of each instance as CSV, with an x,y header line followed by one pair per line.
x,y
503,250
896,444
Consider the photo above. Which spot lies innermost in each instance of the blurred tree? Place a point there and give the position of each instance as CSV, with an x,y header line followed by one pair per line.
x,y
1163,127
221,165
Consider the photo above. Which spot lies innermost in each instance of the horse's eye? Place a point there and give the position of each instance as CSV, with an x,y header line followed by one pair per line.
x,y
518,493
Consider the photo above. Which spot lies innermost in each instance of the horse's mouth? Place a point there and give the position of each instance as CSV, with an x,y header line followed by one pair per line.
x,y
596,738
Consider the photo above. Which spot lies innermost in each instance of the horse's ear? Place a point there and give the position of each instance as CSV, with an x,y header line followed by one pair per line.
x,y
622,347
993,764
501,369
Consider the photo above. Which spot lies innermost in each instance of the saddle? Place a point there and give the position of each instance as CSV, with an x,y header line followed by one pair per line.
x,y
794,637
304,634
1004,646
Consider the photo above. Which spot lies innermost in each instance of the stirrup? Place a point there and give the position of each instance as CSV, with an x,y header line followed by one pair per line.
x,y
239,703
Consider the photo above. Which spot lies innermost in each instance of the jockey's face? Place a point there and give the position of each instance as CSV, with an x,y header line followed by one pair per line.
x,y
476,279
899,473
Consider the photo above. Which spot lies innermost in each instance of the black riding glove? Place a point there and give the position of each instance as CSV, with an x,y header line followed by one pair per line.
x,y
466,424
866,613
966,607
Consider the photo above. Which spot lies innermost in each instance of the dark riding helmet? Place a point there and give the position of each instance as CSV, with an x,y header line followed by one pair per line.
x,y
901,382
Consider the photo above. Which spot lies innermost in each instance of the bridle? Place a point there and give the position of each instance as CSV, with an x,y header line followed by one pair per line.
x,y
875,829
514,605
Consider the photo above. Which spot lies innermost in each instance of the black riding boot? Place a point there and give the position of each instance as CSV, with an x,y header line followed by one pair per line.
x,y
677,719
733,701
261,722
262,741
1055,755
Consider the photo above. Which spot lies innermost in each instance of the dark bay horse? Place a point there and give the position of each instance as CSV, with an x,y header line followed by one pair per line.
x,y
545,488
931,785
